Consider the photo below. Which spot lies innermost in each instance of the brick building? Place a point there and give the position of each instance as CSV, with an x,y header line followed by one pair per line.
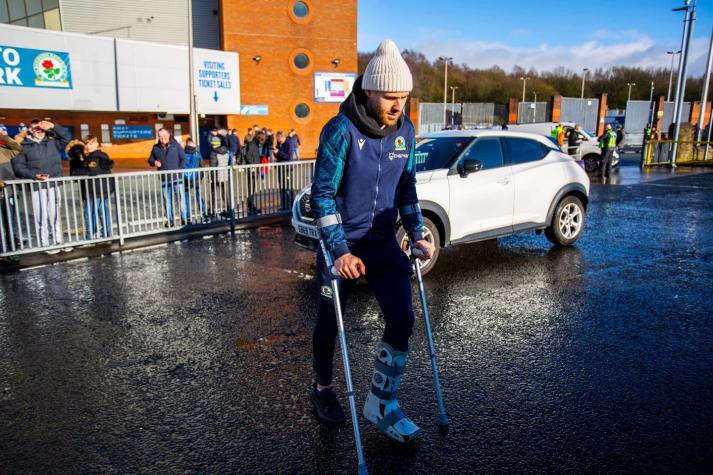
x,y
282,44
296,60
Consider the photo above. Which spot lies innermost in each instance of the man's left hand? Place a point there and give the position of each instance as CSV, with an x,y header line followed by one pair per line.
x,y
425,247
46,125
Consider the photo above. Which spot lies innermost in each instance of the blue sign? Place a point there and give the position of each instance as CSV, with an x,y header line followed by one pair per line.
x,y
132,132
257,109
25,67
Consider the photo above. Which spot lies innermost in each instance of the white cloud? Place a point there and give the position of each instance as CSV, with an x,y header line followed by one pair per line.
x,y
604,50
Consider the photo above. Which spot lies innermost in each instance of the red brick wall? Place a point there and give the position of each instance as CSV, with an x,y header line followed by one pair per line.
x,y
265,28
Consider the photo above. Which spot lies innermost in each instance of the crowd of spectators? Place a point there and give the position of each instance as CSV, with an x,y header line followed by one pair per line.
x,y
36,153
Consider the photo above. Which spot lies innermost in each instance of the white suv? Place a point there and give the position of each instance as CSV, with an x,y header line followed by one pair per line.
x,y
475,185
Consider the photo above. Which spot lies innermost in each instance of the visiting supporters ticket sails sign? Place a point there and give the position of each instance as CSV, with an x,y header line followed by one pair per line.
x,y
25,67
217,82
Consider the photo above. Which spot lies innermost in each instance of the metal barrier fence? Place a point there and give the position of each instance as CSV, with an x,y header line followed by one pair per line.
x,y
580,111
658,152
80,210
471,115
531,112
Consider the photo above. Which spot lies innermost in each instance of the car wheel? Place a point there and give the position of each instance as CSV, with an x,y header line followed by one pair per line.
x,y
591,163
567,222
430,234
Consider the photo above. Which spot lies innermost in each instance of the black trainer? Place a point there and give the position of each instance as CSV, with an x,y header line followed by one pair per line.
x,y
326,406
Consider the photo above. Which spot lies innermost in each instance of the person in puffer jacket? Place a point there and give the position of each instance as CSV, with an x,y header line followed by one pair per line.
x,y
39,161
364,179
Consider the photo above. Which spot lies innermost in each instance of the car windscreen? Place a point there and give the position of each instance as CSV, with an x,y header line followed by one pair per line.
x,y
434,153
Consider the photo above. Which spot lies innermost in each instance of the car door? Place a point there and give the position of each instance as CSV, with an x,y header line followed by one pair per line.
x,y
536,179
482,201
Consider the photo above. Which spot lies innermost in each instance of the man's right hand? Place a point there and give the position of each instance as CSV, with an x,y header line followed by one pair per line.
x,y
157,164
42,177
350,266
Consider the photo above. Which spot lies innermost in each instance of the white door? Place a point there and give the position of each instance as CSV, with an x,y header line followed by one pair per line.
x,y
536,177
483,200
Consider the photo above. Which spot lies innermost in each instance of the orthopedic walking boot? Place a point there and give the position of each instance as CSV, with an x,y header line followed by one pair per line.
x,y
381,407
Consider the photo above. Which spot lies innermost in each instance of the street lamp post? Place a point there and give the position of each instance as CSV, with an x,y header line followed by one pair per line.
x,y
630,84
704,94
193,120
651,103
453,105
524,81
534,107
670,77
584,75
689,21
445,60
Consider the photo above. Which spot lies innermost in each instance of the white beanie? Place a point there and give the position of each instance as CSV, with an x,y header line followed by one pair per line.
x,y
387,71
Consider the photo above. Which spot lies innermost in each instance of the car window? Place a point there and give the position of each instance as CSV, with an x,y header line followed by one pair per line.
x,y
432,154
524,150
487,151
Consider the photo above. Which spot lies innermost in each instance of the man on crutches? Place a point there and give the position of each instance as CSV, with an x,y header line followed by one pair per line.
x,y
364,179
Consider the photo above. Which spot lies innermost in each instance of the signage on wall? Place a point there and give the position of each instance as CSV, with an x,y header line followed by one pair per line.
x,y
25,67
132,132
217,82
332,87
255,109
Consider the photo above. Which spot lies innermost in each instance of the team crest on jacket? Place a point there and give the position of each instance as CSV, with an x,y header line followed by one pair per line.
x,y
399,143
327,291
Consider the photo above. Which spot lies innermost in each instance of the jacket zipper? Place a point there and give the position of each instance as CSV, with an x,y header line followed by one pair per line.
x,y
378,177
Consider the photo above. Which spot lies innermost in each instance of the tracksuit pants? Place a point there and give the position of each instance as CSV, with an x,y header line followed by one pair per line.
x,y
388,273
45,210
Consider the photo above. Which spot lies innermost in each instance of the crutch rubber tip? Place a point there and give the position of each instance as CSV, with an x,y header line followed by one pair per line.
x,y
362,469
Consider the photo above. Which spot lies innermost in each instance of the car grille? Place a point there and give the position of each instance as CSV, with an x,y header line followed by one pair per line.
x,y
306,209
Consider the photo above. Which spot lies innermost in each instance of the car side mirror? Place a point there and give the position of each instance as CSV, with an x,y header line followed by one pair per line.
x,y
468,166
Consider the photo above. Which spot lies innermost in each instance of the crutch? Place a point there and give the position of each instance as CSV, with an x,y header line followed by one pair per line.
x,y
345,357
415,254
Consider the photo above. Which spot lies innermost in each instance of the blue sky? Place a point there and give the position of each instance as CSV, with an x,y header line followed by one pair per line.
x,y
576,35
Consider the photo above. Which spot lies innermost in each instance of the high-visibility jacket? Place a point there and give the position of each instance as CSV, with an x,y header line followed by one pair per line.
x,y
560,136
608,140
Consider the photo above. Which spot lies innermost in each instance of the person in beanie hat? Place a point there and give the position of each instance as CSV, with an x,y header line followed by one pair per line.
x,y
364,179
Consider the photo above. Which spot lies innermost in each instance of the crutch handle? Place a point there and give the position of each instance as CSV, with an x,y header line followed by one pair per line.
x,y
417,252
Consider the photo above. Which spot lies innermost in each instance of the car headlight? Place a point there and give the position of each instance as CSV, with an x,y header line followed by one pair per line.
x,y
303,206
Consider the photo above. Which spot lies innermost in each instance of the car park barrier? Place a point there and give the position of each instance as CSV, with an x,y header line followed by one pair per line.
x,y
83,210
658,153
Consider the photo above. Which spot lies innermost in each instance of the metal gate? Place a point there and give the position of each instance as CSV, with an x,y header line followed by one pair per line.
x,y
430,116
637,115
469,114
668,114
531,112
479,113
580,111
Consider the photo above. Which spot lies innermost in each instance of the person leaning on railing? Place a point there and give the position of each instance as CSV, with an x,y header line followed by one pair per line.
x,y
40,161
95,193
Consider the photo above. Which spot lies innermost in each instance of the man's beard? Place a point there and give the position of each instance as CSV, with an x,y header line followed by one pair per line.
x,y
380,114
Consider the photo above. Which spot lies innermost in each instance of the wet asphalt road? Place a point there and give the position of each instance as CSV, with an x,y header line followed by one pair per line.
x,y
195,357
